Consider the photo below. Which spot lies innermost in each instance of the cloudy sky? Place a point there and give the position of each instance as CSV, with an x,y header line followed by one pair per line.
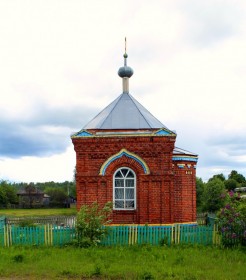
x,y
58,68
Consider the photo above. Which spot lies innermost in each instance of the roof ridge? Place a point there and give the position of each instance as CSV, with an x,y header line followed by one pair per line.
x,y
137,102
119,98
84,127
133,100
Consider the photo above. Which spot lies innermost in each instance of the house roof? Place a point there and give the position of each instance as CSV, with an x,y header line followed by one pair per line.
x,y
125,112
34,191
179,151
183,155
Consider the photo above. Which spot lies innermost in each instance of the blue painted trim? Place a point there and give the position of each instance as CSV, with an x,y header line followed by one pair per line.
x,y
163,132
83,133
185,159
121,154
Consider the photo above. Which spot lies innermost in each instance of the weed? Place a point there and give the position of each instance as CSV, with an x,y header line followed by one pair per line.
x,y
179,260
18,258
190,277
164,241
147,276
107,265
68,273
97,271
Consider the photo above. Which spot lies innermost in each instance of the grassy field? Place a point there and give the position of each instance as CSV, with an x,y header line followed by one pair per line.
x,y
136,262
37,212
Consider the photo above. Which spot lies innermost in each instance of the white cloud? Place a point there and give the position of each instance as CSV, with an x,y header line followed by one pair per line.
x,y
59,62
57,168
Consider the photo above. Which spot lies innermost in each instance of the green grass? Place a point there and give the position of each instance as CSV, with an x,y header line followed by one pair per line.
x,y
37,212
135,262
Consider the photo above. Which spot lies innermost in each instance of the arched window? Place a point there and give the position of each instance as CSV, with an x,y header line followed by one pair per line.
x,y
124,189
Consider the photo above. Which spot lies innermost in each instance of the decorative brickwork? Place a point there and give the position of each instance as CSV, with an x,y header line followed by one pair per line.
x,y
165,194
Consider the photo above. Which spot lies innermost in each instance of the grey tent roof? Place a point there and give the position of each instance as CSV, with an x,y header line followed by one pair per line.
x,y
125,112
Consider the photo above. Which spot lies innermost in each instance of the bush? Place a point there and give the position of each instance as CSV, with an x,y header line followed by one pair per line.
x,y
232,221
26,223
90,223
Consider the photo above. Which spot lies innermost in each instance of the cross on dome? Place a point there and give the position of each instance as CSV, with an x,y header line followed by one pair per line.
x,y
125,71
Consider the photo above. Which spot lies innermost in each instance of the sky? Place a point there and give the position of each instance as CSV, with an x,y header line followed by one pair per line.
x,y
58,69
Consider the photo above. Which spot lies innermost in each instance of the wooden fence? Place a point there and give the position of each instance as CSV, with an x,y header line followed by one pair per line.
x,y
2,221
174,234
205,218
40,235
46,220
116,235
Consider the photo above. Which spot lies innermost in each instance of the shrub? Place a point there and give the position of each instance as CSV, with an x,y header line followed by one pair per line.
x,y
232,220
90,223
26,223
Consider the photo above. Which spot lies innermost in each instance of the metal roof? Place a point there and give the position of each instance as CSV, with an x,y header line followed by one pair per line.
x,y
125,112
179,151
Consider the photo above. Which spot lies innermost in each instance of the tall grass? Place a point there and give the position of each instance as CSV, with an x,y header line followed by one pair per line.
x,y
135,262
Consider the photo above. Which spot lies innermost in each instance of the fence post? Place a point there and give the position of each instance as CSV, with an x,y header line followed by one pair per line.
x,y
172,235
216,237
45,235
7,235
130,236
176,233
178,230
51,235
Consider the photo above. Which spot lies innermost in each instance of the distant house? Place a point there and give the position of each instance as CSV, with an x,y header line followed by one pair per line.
x,y
46,200
241,191
32,198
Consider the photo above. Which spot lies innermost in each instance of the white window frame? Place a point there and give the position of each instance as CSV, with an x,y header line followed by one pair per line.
x,y
124,199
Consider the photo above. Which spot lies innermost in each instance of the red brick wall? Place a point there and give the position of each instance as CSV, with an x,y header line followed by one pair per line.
x,y
184,191
156,192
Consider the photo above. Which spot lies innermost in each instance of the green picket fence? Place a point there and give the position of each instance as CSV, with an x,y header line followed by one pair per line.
x,y
40,235
128,235
154,235
116,235
2,221
206,235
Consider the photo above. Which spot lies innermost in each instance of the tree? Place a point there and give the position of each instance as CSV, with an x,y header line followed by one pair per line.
x,y
213,195
3,197
58,197
11,195
237,177
90,222
7,194
231,184
219,176
243,185
199,193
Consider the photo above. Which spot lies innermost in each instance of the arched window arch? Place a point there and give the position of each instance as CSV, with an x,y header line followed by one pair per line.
x,y
124,192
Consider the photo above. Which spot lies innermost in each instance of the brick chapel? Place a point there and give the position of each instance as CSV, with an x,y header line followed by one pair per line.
x,y
127,156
